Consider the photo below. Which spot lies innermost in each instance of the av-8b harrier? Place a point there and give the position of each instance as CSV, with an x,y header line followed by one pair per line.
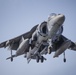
x,y
41,39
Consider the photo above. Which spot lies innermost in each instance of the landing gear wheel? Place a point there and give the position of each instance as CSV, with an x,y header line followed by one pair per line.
x,y
37,59
11,56
11,59
49,50
42,59
64,60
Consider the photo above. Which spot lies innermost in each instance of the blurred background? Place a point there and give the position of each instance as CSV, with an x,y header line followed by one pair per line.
x,y
18,17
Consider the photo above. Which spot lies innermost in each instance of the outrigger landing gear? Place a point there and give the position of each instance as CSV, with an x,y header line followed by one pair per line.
x,y
64,58
11,56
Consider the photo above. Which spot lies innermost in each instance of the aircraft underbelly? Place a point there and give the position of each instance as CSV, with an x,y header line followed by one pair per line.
x,y
53,30
41,38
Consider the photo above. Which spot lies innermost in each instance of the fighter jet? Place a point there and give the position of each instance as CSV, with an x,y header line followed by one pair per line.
x,y
40,40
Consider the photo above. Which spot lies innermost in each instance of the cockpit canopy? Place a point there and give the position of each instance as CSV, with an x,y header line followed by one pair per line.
x,y
52,15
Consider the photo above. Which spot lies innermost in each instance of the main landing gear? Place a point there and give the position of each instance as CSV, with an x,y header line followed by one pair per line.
x,y
40,58
11,58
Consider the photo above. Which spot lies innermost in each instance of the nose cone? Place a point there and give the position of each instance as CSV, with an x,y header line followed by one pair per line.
x,y
60,19
54,24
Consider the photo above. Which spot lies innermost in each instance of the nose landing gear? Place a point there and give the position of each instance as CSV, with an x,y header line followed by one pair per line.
x,y
49,50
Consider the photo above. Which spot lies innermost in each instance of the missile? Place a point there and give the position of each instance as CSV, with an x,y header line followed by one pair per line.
x,y
22,47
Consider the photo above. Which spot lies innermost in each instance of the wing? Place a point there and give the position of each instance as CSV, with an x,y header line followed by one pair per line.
x,y
73,44
14,43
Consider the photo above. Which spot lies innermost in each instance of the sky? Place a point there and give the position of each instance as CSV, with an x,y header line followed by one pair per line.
x,y
18,17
